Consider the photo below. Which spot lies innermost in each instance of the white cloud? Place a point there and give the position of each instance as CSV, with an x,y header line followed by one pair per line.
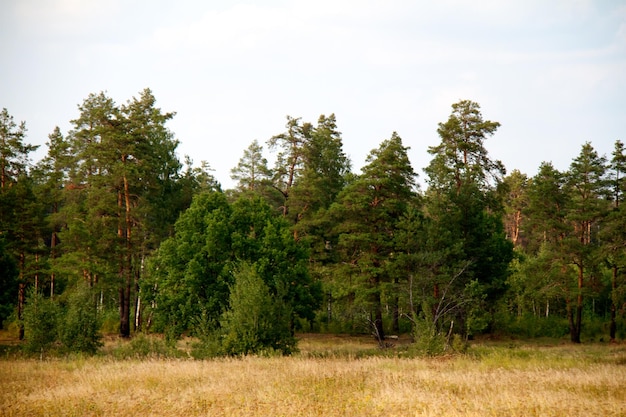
x,y
63,17
233,69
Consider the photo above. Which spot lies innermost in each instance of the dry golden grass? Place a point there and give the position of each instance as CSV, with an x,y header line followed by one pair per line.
x,y
495,381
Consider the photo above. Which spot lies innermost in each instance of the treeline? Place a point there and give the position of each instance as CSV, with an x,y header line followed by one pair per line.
x,y
111,232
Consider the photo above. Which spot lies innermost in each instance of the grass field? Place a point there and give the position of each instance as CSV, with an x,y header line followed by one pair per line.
x,y
331,376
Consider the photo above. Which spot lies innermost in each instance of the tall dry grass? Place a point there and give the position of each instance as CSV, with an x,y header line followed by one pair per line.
x,y
496,381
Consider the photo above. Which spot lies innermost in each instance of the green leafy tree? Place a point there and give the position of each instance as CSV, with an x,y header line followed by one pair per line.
x,y
187,276
261,237
192,272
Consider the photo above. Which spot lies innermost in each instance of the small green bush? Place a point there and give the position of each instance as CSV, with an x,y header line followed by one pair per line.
x,y
531,326
256,321
80,325
145,346
110,321
40,318
427,340
207,347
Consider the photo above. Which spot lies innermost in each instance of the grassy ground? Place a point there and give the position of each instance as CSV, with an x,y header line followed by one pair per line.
x,y
332,376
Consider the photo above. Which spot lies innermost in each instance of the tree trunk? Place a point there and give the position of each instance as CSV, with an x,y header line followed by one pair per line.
x,y
137,321
21,298
516,228
395,325
125,290
574,335
578,323
579,307
21,294
53,245
124,312
613,325
378,319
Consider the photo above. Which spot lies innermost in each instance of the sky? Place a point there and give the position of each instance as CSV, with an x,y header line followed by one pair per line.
x,y
553,73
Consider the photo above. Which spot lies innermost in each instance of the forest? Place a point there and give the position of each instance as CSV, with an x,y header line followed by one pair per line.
x,y
111,233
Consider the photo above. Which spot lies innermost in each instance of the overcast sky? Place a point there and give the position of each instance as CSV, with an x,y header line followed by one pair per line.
x,y
553,73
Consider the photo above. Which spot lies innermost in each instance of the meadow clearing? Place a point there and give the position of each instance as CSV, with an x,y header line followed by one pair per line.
x,y
331,376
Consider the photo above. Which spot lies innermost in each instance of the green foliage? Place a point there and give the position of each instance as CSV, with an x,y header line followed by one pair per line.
x,y
533,326
367,214
110,321
8,282
121,192
210,346
79,327
41,323
71,325
461,158
112,189
466,250
142,346
190,277
252,172
431,339
427,340
256,321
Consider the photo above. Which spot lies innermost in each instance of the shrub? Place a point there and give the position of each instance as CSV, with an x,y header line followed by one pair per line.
x,y
427,340
40,319
532,326
79,328
110,321
257,321
145,346
207,347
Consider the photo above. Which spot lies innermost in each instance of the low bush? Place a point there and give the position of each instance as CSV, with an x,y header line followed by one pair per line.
x,y
143,346
531,326
40,319
79,327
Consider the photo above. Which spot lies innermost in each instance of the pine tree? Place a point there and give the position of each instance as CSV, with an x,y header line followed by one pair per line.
x,y
613,233
367,212
252,172
20,215
121,195
587,207
463,201
290,158
461,157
